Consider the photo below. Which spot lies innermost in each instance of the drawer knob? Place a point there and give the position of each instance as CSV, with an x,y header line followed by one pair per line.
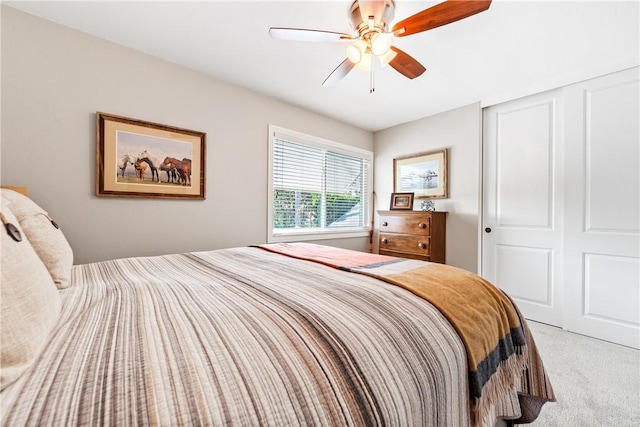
x,y
384,224
422,245
384,240
422,225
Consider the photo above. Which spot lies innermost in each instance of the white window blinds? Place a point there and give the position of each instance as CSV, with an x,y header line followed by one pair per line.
x,y
317,186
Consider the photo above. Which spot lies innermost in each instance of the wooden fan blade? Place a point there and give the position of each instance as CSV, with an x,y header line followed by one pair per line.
x,y
438,15
405,64
339,73
306,35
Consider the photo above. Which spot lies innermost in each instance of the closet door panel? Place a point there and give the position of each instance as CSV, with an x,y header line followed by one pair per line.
x,y
522,203
602,287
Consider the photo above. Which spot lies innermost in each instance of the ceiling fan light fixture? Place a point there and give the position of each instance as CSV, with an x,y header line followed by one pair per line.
x,y
387,57
380,43
353,53
356,51
365,62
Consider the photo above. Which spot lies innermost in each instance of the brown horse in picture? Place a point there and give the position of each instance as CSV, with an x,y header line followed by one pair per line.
x,y
182,166
141,168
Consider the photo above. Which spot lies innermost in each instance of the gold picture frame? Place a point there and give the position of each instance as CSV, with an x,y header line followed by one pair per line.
x,y
424,174
135,158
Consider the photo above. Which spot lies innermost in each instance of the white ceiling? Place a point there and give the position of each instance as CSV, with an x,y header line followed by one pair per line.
x,y
514,49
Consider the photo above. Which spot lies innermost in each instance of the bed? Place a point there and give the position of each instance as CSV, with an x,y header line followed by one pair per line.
x,y
274,335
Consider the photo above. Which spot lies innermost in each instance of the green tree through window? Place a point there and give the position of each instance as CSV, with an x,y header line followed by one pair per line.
x,y
316,187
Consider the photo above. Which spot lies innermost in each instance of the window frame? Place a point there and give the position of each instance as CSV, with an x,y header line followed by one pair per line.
x,y
289,235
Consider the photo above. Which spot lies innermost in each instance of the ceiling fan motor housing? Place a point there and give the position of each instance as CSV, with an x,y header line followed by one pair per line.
x,y
381,10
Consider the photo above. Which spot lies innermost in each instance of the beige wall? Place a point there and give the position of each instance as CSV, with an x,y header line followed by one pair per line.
x,y
54,79
460,131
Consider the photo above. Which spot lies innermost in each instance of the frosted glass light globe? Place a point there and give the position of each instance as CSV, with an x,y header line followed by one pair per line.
x,y
380,43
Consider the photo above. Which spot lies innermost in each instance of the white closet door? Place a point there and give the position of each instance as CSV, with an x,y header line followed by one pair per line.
x,y
522,243
602,287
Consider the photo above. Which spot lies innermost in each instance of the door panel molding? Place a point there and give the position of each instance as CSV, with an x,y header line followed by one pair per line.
x,y
611,288
535,288
612,180
519,132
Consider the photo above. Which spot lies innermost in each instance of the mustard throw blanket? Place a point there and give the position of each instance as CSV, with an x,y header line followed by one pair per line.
x,y
482,315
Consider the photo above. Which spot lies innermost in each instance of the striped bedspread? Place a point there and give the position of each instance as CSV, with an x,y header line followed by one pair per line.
x,y
483,316
244,337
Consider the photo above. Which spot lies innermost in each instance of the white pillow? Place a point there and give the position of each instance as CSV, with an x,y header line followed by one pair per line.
x,y
29,303
47,240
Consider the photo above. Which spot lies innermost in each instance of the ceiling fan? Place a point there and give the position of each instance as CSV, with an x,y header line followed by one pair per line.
x,y
371,36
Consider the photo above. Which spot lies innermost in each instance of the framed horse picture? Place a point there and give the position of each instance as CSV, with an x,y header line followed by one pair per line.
x,y
135,158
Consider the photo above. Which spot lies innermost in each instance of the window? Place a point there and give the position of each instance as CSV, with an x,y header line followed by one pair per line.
x,y
318,189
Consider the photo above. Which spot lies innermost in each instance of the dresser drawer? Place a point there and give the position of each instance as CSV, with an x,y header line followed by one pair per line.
x,y
419,245
420,225
413,234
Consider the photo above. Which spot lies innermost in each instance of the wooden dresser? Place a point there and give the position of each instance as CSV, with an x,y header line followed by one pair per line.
x,y
413,234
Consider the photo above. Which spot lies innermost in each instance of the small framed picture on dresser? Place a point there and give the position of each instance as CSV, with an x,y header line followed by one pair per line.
x,y
401,202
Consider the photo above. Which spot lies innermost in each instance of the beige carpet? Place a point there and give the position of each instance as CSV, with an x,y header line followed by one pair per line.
x,y
597,383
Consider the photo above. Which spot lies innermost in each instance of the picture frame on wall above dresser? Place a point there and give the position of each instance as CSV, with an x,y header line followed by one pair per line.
x,y
135,158
401,202
424,174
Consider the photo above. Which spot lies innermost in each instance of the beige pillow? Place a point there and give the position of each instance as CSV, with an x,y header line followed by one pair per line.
x,y
29,303
47,240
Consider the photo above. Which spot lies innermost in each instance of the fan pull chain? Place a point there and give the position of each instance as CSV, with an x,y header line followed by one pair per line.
x,y
372,83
